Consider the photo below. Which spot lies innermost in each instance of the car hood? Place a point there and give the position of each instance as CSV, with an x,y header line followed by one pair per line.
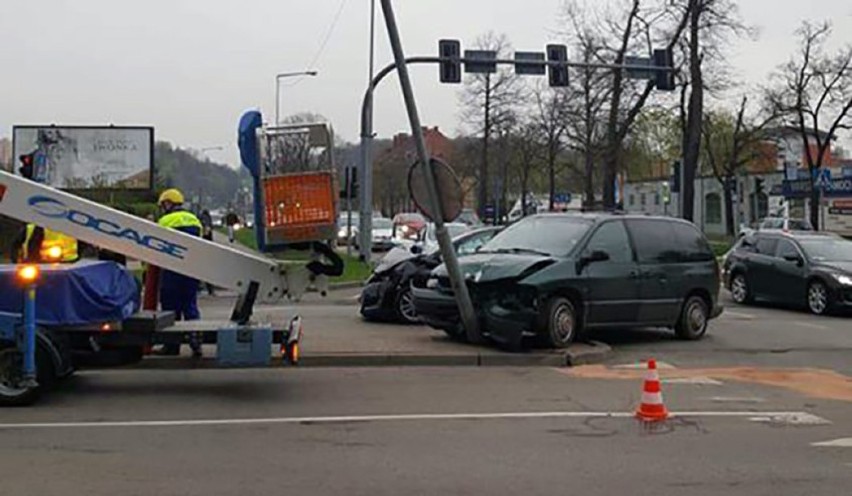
x,y
487,267
834,266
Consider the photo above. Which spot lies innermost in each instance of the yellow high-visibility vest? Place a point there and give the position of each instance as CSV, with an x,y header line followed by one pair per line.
x,y
67,246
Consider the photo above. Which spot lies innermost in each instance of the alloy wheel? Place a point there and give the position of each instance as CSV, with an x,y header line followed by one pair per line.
x,y
817,298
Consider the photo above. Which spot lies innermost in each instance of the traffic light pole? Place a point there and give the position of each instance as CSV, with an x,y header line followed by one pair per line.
x,y
365,166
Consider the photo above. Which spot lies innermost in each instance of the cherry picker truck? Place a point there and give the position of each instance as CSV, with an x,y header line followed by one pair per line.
x,y
293,207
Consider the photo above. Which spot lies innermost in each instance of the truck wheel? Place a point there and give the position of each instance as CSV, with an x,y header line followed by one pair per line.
x,y
13,390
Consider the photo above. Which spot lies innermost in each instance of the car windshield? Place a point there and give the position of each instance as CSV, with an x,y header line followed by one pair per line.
x,y
547,235
828,250
455,230
382,224
799,225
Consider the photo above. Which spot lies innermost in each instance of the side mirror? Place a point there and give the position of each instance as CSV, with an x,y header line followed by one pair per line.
x,y
594,256
795,259
416,249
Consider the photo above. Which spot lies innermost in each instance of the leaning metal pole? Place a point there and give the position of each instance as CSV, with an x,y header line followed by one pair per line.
x,y
468,316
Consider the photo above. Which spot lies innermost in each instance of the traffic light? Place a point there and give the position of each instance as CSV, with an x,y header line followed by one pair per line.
x,y
27,165
557,75
665,80
351,184
450,70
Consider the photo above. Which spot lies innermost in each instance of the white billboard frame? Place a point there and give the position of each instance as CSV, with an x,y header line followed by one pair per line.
x,y
146,139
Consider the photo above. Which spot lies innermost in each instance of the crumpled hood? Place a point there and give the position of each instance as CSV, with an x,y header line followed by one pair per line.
x,y
486,267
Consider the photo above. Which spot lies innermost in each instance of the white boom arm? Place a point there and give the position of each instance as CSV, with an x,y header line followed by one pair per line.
x,y
143,240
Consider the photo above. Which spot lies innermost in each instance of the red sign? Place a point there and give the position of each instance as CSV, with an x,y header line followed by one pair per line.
x,y
2,191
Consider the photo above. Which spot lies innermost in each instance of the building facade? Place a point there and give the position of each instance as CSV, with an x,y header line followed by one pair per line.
x,y
768,186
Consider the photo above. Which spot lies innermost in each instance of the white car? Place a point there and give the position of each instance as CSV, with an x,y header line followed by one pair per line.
x,y
382,238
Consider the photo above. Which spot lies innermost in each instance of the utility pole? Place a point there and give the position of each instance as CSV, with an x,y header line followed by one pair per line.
x,y
483,167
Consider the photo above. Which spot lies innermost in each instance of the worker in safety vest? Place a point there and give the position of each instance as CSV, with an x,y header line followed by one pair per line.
x,y
179,293
39,245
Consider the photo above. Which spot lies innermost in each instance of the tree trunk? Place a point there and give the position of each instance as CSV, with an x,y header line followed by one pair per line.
x,y
815,205
589,169
729,206
692,143
482,196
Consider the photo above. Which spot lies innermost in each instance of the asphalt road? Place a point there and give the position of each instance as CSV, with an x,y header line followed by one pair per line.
x,y
755,403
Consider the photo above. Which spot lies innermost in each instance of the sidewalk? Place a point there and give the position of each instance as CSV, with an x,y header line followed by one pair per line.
x,y
336,336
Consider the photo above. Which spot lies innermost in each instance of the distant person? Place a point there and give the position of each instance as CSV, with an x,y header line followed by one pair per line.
x,y
179,293
231,220
207,233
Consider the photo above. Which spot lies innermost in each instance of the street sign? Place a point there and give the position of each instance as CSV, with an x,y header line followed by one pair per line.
x,y
822,178
801,188
530,69
480,61
562,198
637,73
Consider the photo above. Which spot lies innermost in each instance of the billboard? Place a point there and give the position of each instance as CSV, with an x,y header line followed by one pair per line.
x,y
88,157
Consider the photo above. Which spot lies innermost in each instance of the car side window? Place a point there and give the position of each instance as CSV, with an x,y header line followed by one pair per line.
x,y
612,238
786,248
693,245
655,241
766,246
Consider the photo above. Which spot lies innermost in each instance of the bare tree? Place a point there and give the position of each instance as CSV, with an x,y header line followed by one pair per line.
x,y
634,31
815,89
549,120
585,108
730,143
710,24
487,102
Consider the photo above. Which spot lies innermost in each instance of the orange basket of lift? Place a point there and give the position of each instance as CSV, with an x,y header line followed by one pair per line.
x,y
300,207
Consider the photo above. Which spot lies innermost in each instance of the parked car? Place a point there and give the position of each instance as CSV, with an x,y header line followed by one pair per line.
x,y
382,234
387,295
551,276
407,227
798,269
344,229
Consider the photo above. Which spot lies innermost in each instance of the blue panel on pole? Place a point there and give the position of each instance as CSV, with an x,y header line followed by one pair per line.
x,y
247,140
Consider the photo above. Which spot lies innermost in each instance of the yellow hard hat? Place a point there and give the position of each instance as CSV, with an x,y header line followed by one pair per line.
x,y
171,195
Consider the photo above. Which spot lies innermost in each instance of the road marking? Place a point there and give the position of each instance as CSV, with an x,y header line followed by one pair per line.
x,y
386,418
799,418
843,442
737,399
810,325
698,381
739,315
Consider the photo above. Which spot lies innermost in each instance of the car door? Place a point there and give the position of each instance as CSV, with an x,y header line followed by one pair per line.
x,y
610,287
660,273
786,279
761,266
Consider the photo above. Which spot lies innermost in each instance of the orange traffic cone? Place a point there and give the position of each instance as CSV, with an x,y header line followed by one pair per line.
x,y
652,408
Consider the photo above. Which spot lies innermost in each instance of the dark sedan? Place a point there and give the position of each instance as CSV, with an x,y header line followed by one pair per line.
x,y
798,269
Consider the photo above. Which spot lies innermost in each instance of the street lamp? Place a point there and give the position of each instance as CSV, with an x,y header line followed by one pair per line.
x,y
278,78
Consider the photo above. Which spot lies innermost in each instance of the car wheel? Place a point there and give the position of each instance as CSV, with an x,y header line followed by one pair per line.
x,y
405,309
740,292
558,324
694,317
818,298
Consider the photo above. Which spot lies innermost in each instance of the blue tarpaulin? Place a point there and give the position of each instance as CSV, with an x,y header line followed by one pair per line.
x,y
87,292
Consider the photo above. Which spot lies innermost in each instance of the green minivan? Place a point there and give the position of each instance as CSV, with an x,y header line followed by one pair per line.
x,y
553,276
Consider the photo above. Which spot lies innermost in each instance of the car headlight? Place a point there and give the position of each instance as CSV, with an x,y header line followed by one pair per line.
x,y
432,283
843,279
341,233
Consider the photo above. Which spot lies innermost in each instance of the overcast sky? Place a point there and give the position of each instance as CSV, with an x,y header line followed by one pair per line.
x,y
191,67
